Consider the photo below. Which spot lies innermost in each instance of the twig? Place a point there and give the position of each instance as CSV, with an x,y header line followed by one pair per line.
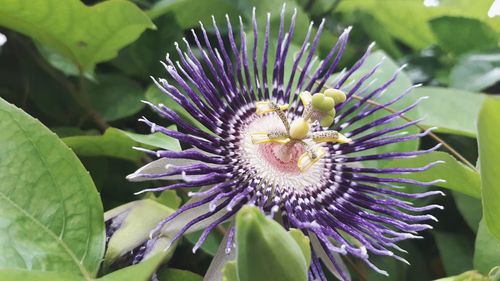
x,y
76,93
431,134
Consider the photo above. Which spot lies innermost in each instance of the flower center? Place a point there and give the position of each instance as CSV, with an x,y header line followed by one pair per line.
x,y
320,108
283,157
276,163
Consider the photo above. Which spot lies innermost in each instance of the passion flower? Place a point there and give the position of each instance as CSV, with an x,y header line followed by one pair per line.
x,y
293,145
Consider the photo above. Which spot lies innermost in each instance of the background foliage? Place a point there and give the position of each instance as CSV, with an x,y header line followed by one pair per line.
x,y
72,74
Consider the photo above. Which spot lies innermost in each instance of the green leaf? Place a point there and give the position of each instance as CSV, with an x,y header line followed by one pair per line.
x,y
473,35
168,198
117,143
489,153
115,96
458,177
470,209
279,256
230,272
377,33
142,57
113,143
139,272
476,71
28,275
487,250
189,12
210,245
450,110
174,274
455,250
408,20
50,211
303,243
158,140
85,35
471,275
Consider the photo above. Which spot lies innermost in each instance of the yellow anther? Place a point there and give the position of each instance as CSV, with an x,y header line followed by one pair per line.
x,y
263,107
276,137
330,136
299,129
306,98
313,155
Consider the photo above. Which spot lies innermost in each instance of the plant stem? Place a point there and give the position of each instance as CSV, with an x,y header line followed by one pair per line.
x,y
76,93
431,134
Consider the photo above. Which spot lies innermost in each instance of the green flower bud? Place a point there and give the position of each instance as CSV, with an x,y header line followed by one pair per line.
x,y
336,94
299,129
133,223
266,251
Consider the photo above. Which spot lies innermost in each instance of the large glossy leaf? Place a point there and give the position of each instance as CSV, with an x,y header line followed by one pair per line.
x,y
455,250
473,35
487,250
210,245
189,12
409,20
141,58
50,211
139,272
470,209
115,96
85,35
457,176
113,143
476,71
117,143
489,154
450,110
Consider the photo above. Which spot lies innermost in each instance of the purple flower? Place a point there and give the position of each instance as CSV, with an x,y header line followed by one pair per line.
x,y
291,140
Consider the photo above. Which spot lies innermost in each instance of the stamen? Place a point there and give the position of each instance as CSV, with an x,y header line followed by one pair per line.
x,y
330,136
276,137
263,107
269,106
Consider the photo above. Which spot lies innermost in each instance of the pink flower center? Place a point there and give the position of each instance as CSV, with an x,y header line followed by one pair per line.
x,y
283,157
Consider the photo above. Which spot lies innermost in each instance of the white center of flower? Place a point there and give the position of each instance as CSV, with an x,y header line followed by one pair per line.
x,y
277,163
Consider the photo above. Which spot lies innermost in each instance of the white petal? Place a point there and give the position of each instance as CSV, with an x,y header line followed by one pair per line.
x,y
320,252
176,224
214,272
161,166
494,9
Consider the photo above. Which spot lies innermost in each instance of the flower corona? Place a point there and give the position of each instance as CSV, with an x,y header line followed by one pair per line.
x,y
292,136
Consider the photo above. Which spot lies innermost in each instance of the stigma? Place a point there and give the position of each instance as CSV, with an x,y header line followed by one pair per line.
x,y
297,135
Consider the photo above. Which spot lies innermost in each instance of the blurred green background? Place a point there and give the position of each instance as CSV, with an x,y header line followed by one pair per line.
x,y
82,72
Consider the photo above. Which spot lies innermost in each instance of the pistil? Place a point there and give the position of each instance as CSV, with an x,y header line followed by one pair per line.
x,y
319,107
